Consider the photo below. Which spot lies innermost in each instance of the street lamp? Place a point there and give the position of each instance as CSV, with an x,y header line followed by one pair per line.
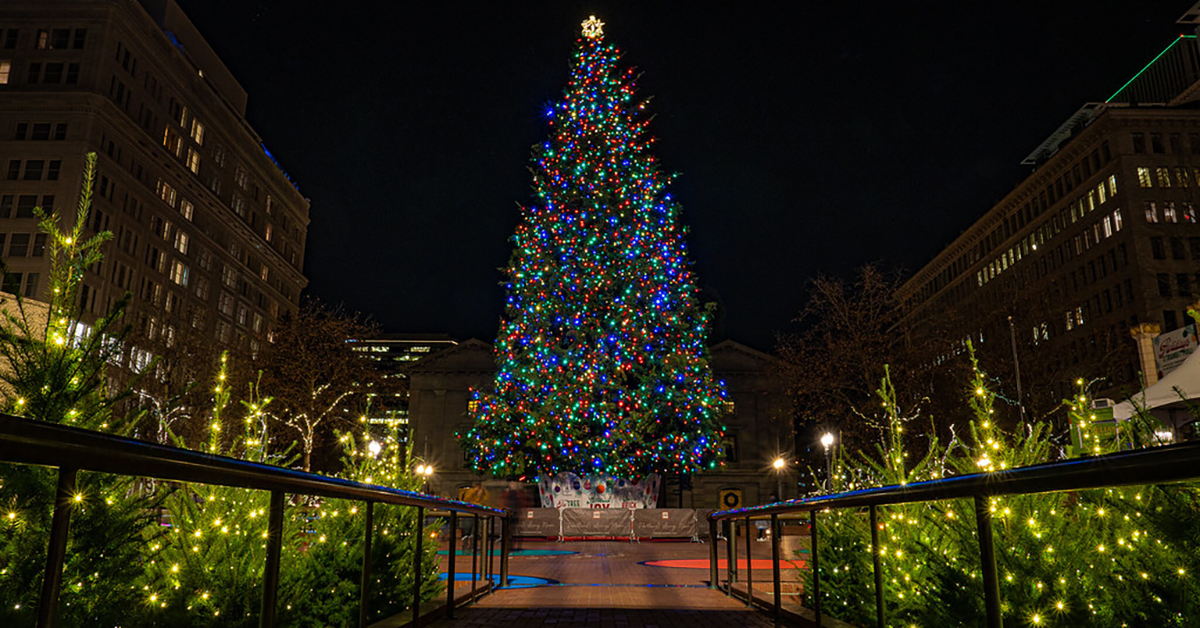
x,y
827,441
374,447
780,464
424,470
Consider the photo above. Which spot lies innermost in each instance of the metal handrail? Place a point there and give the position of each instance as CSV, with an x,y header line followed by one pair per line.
x,y
1159,465
71,450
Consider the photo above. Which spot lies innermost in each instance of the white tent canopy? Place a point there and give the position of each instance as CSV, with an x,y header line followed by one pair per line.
x,y
1186,378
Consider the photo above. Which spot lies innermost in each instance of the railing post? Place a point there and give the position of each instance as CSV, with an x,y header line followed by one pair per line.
x,y
713,574
491,565
877,559
749,565
505,547
56,553
417,551
364,589
487,551
450,565
731,556
987,563
475,532
266,618
816,575
775,576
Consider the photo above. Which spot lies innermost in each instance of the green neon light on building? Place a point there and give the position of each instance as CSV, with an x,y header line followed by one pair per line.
x,y
1152,61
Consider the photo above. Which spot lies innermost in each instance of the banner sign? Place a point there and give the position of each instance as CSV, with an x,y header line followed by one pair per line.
x,y
567,490
1173,347
538,522
665,523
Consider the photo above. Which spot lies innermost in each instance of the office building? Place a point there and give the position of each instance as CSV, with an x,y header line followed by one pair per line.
x,y
1098,250
209,231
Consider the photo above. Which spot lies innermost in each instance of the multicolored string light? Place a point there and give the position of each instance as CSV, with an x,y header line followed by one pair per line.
x,y
602,355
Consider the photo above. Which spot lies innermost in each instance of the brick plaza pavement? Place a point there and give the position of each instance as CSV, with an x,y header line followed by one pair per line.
x,y
607,583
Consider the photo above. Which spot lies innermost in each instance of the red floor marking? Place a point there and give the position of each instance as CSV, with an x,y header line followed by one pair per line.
x,y
701,563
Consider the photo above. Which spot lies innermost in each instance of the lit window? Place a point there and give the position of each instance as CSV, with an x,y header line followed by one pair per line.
x,y
193,161
198,132
179,273
1108,230
181,242
225,304
266,272
1117,220
1112,185
1164,177
1189,212
228,277
1181,177
1102,192
166,192
239,206
1091,200
186,208
1169,212
1143,175
5,71
1151,212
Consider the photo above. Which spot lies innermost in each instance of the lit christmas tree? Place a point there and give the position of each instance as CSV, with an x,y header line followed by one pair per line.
x,y
602,357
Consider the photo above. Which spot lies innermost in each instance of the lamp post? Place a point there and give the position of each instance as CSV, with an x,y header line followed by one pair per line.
x,y
827,441
424,470
780,464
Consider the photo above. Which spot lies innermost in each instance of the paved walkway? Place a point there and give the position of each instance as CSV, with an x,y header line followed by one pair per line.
x,y
616,584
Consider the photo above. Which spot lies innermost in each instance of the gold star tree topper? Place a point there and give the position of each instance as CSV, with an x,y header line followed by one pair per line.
x,y
593,27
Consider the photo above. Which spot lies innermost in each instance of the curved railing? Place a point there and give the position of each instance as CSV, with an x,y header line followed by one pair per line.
x,y
71,450
1159,465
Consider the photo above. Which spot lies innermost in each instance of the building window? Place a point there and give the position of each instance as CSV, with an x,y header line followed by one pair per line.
x,y
186,208
1182,178
197,132
239,206
1156,143
241,178
1169,320
1143,175
1189,212
5,71
1157,250
1102,192
1177,249
34,169
12,282
1169,212
225,304
1164,177
1112,185
1139,143
1117,220
730,448
18,247
229,277
202,288
193,161
181,242
179,273
166,192
1151,211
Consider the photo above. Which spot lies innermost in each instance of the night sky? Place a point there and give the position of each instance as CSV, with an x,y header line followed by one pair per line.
x,y
810,137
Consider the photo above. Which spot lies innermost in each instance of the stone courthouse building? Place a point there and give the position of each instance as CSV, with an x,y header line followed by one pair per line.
x,y
759,425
